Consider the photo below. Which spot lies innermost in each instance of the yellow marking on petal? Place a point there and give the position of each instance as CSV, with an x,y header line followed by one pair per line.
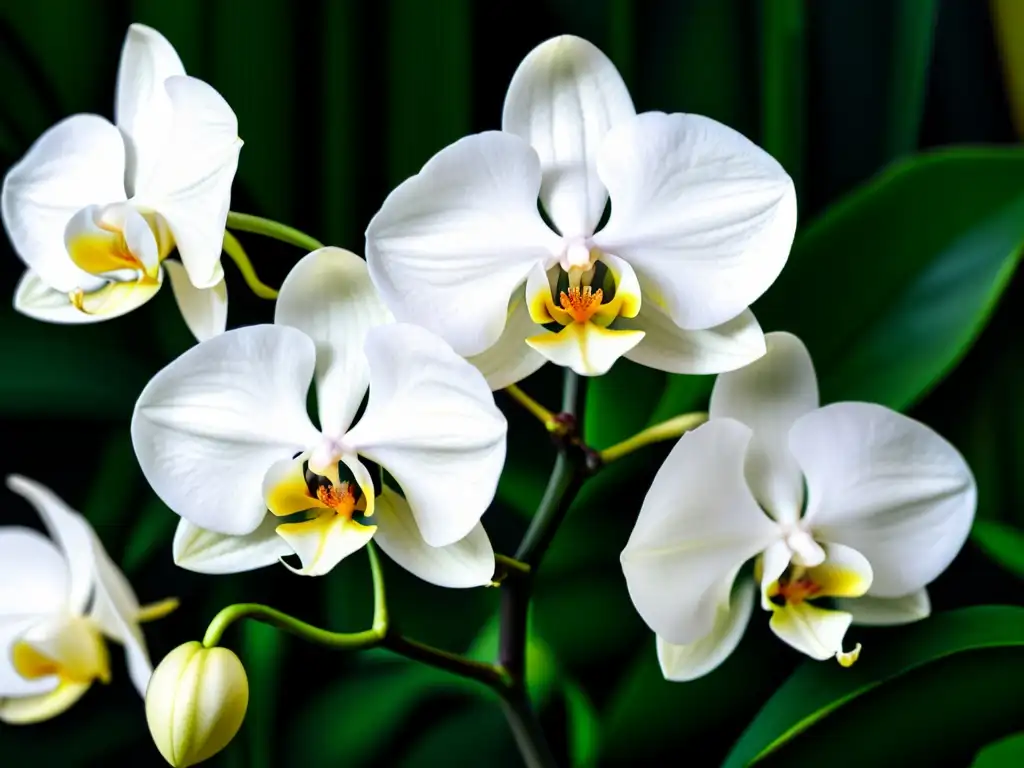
x,y
83,651
838,581
328,527
157,610
847,658
624,303
34,709
30,663
114,297
99,252
285,490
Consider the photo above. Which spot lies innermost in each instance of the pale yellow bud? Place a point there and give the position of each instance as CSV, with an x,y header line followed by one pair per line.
x,y
195,703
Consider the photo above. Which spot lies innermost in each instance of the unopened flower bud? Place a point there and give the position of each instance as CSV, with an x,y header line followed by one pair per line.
x,y
195,703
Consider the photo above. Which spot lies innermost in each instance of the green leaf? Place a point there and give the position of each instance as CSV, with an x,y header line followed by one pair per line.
x,y
1002,542
619,403
584,727
911,50
647,717
816,690
890,287
1005,753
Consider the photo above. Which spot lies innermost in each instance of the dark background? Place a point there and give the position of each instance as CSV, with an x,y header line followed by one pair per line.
x,y
338,102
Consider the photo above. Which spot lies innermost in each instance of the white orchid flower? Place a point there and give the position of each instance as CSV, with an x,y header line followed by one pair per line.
x,y
223,436
94,208
701,224
59,605
888,505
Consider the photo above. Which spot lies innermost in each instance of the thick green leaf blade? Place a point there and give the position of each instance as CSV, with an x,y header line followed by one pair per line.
x,y
911,50
1002,542
817,690
1005,753
584,727
890,287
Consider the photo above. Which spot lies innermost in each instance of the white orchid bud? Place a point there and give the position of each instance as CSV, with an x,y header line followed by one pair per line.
x,y
196,703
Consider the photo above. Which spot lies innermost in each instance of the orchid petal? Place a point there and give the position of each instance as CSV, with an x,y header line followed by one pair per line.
x,y
704,216
511,359
324,541
205,309
769,395
115,610
328,296
191,186
889,487
586,348
77,162
680,663
71,533
29,559
35,709
432,423
667,347
887,611
698,525
202,551
563,98
207,427
817,632
142,108
468,562
451,244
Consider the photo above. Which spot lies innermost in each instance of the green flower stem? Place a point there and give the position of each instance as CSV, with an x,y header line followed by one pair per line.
x,y
381,635
567,476
245,222
546,417
234,249
489,674
526,729
666,430
342,641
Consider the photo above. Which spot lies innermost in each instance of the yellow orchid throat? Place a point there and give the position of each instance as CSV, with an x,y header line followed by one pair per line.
x,y
331,512
74,651
789,599
102,247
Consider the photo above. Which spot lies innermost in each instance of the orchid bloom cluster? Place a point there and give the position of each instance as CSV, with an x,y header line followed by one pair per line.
x,y
653,235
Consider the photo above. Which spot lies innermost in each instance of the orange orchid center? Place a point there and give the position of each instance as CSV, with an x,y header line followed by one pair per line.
x,y
795,590
581,302
341,498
